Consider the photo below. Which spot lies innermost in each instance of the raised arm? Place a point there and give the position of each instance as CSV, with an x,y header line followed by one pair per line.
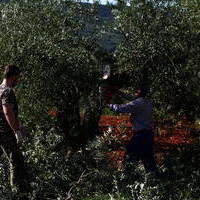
x,y
129,97
123,108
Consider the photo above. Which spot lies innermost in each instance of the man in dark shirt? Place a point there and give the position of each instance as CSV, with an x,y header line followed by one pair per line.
x,y
10,130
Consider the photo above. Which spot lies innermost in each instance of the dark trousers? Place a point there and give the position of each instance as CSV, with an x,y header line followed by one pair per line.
x,y
18,172
140,147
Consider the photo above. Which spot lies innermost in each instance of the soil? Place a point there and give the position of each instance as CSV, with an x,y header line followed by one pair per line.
x,y
168,138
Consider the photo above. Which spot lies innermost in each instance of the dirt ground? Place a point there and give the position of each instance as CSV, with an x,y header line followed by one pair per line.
x,y
167,138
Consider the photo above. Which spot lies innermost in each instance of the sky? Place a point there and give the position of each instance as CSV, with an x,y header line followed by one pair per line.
x,y
100,1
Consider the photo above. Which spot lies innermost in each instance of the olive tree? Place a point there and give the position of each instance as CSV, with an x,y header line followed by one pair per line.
x,y
160,49
60,67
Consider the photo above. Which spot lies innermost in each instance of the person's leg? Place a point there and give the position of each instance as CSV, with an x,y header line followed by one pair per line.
x,y
131,155
149,163
18,171
147,154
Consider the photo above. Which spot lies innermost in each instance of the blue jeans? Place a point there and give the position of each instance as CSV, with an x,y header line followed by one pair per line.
x,y
140,147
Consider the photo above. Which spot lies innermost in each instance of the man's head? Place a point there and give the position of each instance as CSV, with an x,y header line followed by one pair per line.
x,y
141,91
12,73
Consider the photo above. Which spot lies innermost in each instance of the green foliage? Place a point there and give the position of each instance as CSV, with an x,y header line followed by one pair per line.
x,y
160,49
89,174
42,38
60,73
55,177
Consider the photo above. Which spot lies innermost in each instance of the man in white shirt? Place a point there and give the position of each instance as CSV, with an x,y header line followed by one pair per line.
x,y
140,146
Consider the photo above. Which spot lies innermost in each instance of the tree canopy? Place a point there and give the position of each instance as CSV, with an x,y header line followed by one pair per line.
x,y
160,48
41,37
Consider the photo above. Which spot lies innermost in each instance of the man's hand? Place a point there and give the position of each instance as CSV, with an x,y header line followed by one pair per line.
x,y
21,133
19,136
